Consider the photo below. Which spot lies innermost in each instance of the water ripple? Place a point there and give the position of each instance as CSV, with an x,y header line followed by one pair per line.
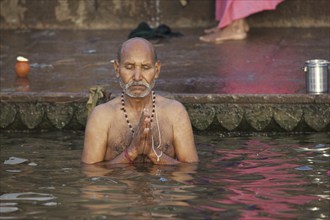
x,y
27,196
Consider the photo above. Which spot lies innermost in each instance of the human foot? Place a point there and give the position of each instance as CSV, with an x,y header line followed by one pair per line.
x,y
219,37
235,31
211,30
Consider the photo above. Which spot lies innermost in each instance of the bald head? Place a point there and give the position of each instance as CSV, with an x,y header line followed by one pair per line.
x,y
136,43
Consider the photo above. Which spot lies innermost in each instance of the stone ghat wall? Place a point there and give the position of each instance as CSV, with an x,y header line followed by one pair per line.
x,y
208,113
119,14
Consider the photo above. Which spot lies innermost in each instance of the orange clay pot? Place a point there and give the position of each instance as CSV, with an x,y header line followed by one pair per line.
x,y
22,69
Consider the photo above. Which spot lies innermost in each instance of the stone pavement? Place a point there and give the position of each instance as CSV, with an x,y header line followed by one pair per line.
x,y
269,61
252,85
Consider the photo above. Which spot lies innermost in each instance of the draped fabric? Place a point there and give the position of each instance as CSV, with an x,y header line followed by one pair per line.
x,y
227,11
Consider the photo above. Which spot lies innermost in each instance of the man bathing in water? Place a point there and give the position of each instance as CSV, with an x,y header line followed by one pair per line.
x,y
139,126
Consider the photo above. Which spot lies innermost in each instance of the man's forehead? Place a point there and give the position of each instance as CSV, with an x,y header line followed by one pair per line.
x,y
145,55
137,52
136,45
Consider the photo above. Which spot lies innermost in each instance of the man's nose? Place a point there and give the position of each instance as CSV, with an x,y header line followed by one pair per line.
x,y
137,74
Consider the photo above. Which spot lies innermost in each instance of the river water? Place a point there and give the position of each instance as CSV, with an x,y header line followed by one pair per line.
x,y
250,177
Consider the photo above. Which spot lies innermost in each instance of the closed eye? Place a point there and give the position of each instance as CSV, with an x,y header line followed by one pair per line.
x,y
146,67
129,66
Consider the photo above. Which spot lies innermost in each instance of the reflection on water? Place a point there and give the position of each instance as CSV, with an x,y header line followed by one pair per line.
x,y
26,196
238,178
144,189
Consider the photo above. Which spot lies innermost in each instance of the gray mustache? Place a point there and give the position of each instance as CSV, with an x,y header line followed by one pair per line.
x,y
138,84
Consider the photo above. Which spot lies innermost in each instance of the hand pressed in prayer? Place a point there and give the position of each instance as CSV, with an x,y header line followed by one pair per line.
x,y
142,136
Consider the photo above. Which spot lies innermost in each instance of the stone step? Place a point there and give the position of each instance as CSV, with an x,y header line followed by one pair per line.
x,y
115,14
222,113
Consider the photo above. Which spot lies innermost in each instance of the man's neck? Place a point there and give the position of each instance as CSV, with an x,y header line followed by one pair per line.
x,y
138,104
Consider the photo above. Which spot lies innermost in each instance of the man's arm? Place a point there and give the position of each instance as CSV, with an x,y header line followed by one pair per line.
x,y
95,143
184,143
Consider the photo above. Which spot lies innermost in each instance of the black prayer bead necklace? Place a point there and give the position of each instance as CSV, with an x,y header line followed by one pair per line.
x,y
125,112
151,119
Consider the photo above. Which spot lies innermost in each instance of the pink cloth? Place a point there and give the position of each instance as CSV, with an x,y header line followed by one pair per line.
x,y
227,11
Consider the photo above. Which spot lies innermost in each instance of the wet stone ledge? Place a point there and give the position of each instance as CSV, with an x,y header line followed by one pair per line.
x,y
208,112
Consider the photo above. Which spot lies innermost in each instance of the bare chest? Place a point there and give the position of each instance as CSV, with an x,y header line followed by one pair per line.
x,y
120,137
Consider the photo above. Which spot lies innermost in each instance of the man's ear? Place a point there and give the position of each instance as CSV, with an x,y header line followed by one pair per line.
x,y
116,67
157,66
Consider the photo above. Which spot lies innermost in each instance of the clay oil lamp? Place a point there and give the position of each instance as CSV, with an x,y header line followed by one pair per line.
x,y
22,67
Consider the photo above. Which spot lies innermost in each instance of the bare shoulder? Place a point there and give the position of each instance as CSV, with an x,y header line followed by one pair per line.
x,y
171,107
106,110
168,104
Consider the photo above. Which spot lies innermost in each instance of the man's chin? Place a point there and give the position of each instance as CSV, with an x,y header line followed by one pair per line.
x,y
137,93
